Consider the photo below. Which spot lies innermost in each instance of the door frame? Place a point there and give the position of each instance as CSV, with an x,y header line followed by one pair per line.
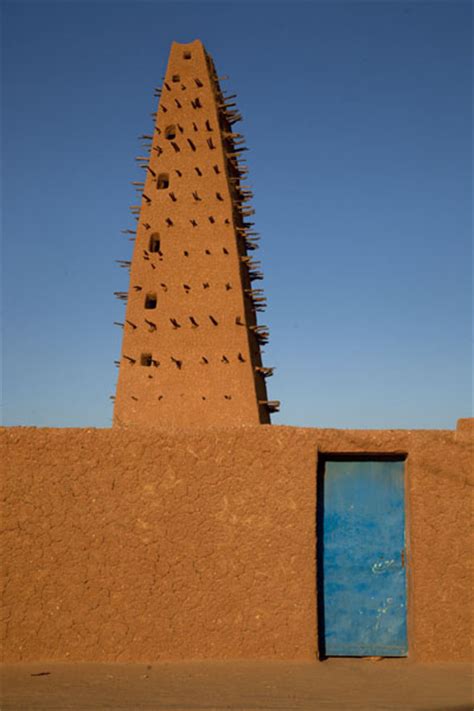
x,y
321,459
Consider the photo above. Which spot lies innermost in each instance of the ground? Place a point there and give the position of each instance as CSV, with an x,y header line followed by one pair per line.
x,y
333,685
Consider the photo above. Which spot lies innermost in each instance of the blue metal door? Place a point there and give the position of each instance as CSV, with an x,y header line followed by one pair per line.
x,y
363,559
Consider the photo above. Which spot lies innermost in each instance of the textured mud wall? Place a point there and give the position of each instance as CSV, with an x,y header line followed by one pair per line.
x,y
148,545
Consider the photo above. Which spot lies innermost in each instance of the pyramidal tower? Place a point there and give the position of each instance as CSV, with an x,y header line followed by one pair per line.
x,y
191,342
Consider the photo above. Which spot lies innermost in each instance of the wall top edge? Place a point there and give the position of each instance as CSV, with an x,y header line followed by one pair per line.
x,y
466,426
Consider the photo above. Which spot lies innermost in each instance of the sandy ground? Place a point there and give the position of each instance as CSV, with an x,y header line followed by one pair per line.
x,y
336,685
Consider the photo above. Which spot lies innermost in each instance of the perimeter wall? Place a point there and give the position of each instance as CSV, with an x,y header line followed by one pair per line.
x,y
148,545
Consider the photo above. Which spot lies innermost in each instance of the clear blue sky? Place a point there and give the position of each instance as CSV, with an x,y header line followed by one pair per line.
x,y
358,118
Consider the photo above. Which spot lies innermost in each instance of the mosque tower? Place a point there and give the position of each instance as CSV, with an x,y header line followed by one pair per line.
x,y
191,343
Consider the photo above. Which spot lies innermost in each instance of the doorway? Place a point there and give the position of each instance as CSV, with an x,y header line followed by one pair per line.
x,y
361,557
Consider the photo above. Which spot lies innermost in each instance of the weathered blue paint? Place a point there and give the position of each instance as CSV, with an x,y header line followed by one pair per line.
x,y
363,567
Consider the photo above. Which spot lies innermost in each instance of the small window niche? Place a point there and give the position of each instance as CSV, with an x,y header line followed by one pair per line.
x,y
154,244
187,54
170,132
146,359
163,181
150,301
176,78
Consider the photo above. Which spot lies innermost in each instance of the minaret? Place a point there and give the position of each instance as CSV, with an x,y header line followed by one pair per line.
x,y
191,342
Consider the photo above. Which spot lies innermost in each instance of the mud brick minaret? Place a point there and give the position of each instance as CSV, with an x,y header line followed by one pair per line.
x,y
191,343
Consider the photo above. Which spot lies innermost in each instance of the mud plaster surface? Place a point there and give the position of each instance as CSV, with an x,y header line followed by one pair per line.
x,y
147,545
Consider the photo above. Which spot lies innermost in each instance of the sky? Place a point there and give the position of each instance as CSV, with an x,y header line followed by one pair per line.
x,y
358,120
